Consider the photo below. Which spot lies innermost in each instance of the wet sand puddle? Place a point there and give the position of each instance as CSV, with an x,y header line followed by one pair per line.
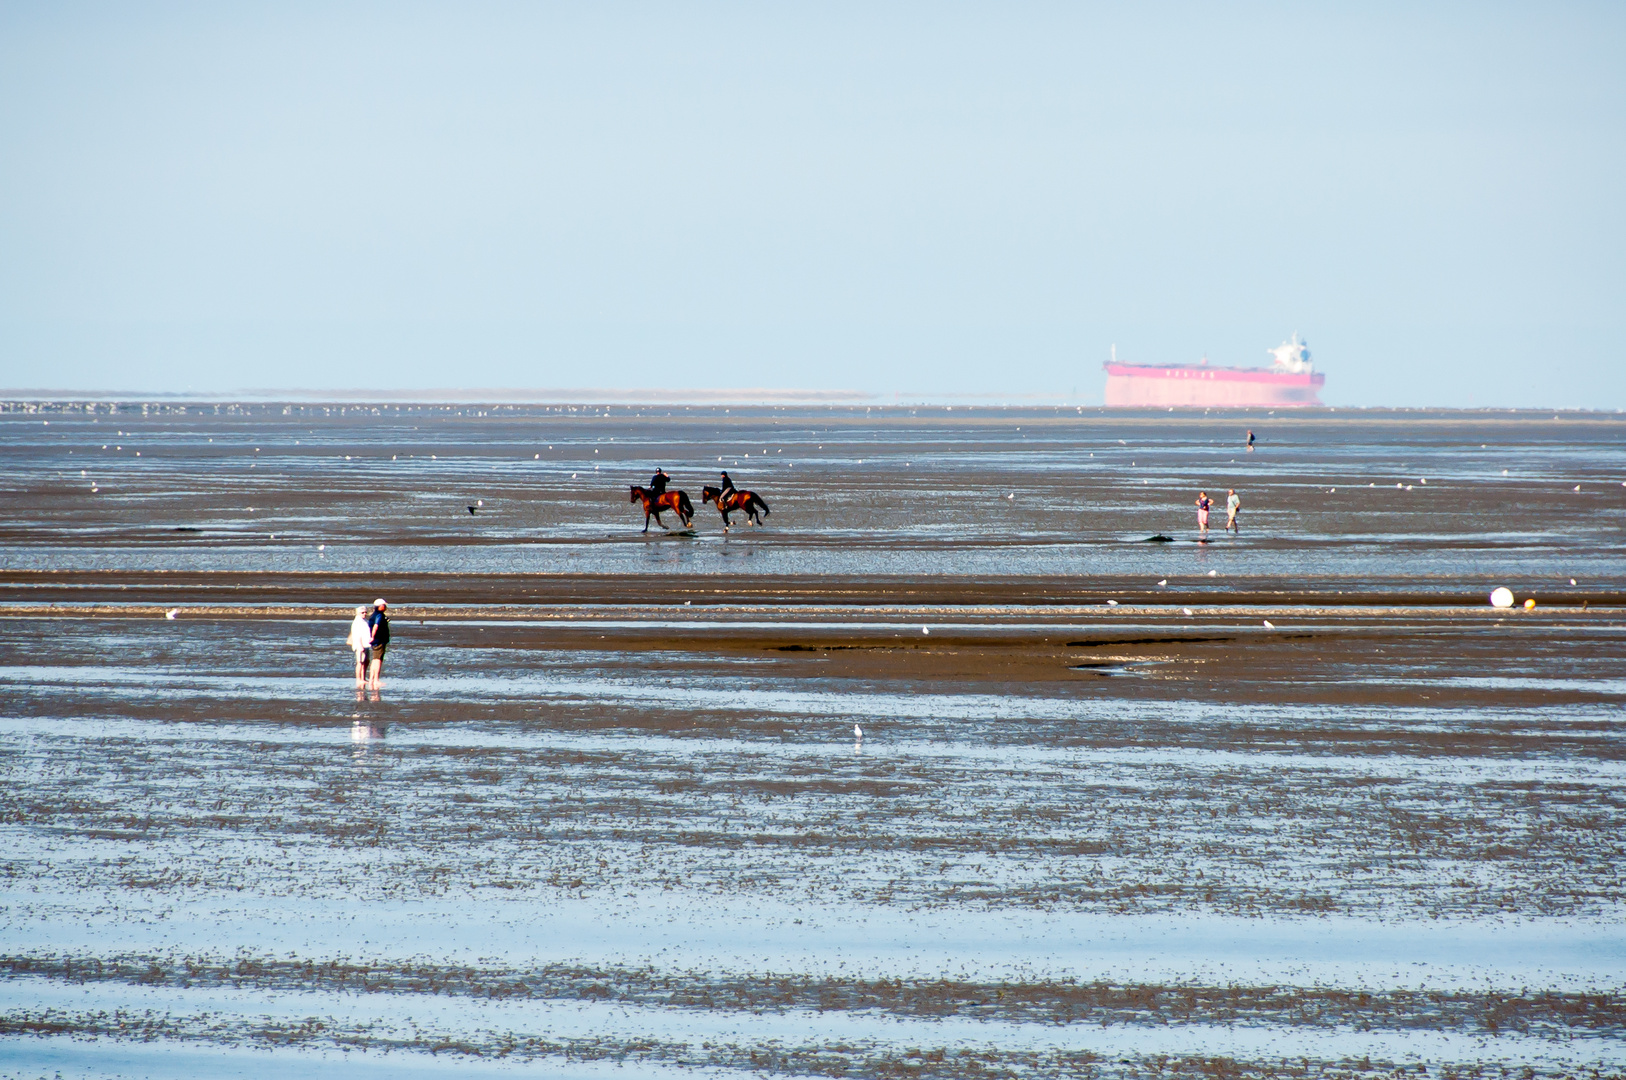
x,y
593,853
619,833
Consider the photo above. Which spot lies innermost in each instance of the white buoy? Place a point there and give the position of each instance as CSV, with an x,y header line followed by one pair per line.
x,y
1501,597
1213,573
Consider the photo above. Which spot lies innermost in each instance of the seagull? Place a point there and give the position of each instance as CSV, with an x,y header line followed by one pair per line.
x,y
925,629
1165,581
172,612
1213,573
1112,603
1187,610
1269,625
858,732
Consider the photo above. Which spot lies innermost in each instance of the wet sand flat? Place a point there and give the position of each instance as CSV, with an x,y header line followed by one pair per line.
x,y
614,813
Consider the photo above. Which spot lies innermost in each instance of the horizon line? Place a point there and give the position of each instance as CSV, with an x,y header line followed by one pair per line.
x,y
549,396
754,396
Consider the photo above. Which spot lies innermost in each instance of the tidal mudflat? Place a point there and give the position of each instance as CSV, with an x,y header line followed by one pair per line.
x,y
609,814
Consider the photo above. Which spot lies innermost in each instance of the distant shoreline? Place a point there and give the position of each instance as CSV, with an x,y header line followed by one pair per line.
x,y
16,400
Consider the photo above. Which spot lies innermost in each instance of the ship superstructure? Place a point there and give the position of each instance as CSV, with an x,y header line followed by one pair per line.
x,y
1290,380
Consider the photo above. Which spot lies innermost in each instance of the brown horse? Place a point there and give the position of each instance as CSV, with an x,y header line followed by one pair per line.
x,y
675,501
748,501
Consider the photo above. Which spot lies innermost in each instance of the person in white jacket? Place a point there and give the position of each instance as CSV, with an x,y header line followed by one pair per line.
x,y
360,642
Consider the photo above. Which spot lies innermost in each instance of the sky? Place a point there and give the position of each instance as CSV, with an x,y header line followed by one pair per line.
x,y
932,199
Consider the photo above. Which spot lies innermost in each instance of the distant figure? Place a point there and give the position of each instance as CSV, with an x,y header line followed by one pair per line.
x,y
1202,517
1250,442
379,624
360,642
728,485
658,482
1233,503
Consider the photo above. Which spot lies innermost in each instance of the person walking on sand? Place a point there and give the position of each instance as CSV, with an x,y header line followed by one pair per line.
x,y
379,623
1250,440
360,642
1233,503
1202,517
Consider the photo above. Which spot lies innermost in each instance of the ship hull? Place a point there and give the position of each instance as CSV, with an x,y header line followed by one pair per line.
x,y
1140,385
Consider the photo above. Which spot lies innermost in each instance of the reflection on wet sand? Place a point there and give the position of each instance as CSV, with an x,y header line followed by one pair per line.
x,y
364,730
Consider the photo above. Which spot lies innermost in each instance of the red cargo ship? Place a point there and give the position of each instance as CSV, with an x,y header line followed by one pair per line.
x,y
1290,380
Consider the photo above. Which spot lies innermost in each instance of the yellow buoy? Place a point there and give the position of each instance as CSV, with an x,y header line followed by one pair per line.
x,y
1528,604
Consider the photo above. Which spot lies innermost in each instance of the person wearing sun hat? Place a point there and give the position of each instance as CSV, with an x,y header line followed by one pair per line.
x,y
380,623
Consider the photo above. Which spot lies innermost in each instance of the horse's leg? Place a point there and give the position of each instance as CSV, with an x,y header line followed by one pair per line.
x,y
646,519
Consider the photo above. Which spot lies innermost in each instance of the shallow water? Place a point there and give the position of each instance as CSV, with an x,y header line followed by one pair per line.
x,y
574,837
852,491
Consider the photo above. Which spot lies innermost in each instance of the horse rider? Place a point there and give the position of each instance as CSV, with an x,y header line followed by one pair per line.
x,y
658,482
728,487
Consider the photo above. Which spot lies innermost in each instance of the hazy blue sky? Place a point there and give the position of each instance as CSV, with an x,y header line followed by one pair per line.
x,y
926,198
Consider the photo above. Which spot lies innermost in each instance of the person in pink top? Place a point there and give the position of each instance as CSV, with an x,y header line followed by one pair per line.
x,y
1203,506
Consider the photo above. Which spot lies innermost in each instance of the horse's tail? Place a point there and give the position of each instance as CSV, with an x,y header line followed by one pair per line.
x,y
685,507
760,502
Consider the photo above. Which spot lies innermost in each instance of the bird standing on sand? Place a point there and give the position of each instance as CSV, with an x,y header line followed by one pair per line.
x,y
858,733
